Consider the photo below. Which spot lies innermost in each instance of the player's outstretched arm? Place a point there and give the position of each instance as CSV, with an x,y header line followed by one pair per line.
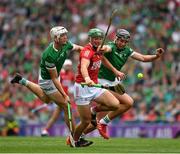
x,y
148,58
54,78
77,47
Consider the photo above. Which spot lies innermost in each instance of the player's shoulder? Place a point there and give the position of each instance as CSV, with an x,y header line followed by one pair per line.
x,y
49,48
112,45
48,52
87,47
69,44
129,49
87,51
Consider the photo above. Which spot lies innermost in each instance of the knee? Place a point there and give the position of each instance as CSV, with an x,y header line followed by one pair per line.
x,y
114,106
129,103
44,98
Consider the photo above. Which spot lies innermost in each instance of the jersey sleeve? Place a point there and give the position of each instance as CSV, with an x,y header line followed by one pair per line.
x,y
131,52
70,45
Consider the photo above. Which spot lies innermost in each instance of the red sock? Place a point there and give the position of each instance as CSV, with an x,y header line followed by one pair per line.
x,y
95,109
76,138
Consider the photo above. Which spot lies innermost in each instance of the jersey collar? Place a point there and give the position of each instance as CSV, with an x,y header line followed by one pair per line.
x,y
55,48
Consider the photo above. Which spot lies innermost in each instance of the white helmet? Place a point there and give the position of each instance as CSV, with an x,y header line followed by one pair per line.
x,y
67,62
57,31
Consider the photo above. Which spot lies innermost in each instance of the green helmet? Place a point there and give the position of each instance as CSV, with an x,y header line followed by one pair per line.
x,y
122,33
95,32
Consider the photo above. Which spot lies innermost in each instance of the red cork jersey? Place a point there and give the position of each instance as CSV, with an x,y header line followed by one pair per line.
x,y
95,62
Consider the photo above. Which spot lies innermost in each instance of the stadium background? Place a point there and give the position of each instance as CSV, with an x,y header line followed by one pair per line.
x,y
24,34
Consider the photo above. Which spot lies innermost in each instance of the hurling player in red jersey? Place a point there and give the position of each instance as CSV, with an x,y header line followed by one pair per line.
x,y
88,69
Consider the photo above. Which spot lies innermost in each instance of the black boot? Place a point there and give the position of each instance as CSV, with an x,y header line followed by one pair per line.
x,y
86,141
83,143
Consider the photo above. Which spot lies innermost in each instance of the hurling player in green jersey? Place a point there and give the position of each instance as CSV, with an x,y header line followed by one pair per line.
x,y
49,88
116,55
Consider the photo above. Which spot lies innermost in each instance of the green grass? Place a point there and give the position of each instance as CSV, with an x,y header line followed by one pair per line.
x,y
113,145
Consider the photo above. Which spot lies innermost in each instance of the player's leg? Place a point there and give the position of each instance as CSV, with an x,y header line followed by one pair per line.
x,y
94,117
104,118
83,96
60,101
35,88
89,129
106,102
51,121
126,102
107,99
85,119
93,126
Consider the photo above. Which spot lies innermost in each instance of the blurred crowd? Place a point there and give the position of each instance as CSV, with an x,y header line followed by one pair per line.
x,y
24,34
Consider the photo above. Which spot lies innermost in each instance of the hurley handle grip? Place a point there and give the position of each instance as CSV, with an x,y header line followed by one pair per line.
x,y
94,85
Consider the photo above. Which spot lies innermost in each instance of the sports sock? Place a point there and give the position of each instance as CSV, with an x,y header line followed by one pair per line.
x,y
82,136
24,82
105,120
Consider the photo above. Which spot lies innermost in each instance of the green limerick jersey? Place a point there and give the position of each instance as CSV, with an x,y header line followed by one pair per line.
x,y
52,59
117,57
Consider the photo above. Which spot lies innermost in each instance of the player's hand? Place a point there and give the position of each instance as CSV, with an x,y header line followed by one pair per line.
x,y
88,81
100,49
67,99
159,52
120,75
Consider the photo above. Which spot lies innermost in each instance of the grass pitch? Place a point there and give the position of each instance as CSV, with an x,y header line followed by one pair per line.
x,y
113,145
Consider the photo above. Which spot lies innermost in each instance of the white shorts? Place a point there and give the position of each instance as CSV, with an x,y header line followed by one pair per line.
x,y
108,83
84,95
47,85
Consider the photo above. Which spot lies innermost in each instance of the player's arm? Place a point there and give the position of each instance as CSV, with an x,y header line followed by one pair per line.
x,y
51,67
84,71
77,47
120,75
54,77
105,49
147,58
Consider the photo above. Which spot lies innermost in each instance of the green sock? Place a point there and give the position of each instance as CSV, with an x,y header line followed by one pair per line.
x,y
23,81
105,120
82,136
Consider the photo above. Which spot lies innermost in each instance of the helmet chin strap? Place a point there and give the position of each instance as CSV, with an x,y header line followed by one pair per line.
x,y
95,48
